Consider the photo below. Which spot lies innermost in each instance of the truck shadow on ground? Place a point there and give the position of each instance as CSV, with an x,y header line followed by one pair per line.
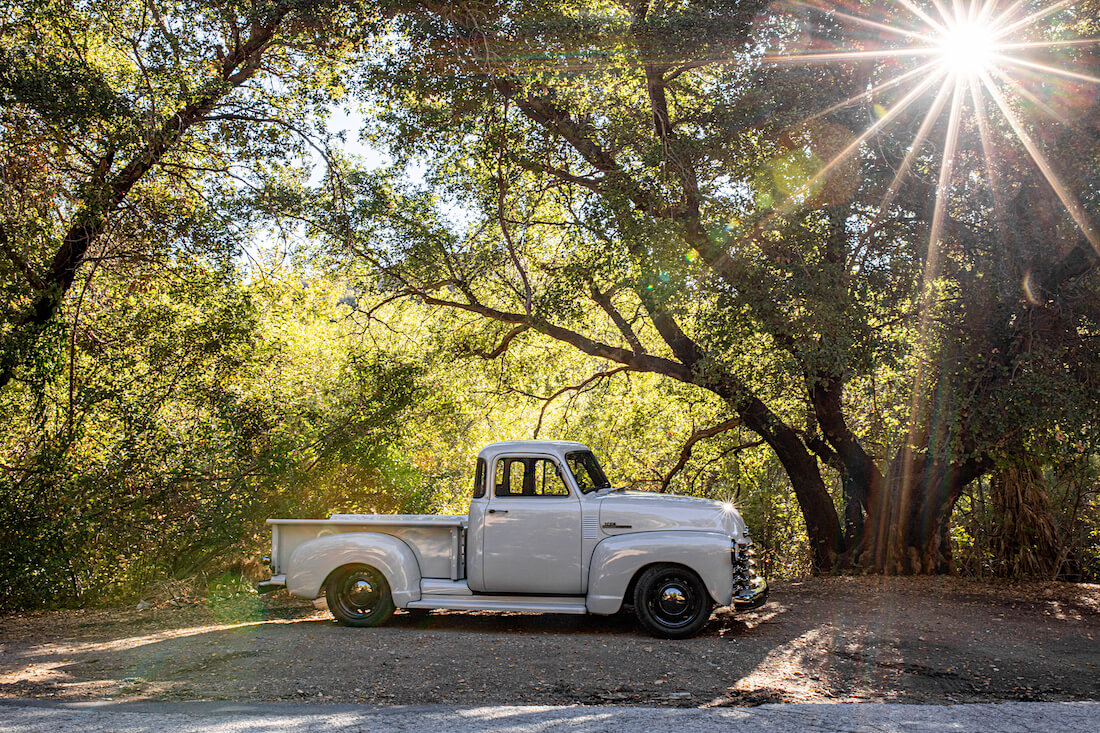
x,y
623,623
449,657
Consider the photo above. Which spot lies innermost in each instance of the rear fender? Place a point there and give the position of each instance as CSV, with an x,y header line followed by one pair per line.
x,y
312,562
616,560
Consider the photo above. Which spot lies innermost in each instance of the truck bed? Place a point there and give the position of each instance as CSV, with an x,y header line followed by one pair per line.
x,y
437,540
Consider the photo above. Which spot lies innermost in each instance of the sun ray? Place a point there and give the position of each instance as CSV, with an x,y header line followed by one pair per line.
x,y
923,15
870,132
947,165
1048,44
1005,16
877,25
964,13
829,56
946,16
1033,18
1048,69
878,88
1076,211
976,10
931,268
925,128
989,152
1030,96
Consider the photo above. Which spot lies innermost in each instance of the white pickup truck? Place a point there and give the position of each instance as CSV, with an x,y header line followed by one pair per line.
x,y
545,533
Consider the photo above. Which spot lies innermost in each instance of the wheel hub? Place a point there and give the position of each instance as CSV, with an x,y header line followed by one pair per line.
x,y
361,593
673,600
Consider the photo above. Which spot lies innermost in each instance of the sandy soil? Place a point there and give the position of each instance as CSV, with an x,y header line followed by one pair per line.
x,y
921,640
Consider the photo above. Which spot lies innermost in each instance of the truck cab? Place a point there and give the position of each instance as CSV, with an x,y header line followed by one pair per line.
x,y
545,532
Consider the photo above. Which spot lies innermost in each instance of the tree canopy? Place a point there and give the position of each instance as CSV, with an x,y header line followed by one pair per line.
x,y
641,184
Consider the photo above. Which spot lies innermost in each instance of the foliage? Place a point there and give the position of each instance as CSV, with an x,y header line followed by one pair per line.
x,y
178,422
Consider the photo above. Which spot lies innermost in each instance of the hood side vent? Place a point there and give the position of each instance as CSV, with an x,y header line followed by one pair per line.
x,y
591,527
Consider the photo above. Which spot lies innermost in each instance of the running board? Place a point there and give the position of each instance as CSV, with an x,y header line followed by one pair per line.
x,y
523,604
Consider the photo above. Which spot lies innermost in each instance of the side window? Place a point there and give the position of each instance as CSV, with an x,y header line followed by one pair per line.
x,y
548,480
515,476
479,479
511,476
528,477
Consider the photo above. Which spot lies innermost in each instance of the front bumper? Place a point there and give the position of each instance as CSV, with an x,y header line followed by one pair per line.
x,y
750,590
753,595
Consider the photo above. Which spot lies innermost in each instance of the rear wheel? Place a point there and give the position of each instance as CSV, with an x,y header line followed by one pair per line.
x,y
671,601
358,595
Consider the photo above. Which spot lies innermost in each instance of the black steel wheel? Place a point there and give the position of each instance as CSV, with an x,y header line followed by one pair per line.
x,y
358,595
671,601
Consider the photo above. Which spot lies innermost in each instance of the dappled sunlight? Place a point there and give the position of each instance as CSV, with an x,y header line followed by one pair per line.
x,y
804,669
816,640
135,642
139,668
1061,612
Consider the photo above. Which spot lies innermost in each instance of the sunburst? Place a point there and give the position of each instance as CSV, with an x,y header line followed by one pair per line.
x,y
966,58
963,56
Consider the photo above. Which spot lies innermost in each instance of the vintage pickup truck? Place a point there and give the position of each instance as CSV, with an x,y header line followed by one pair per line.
x,y
545,533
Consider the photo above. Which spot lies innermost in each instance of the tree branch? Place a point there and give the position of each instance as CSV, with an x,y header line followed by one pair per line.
x,y
639,362
592,184
604,301
685,451
545,113
573,388
504,344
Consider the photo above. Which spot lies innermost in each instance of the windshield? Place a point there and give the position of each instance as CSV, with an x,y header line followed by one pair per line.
x,y
586,471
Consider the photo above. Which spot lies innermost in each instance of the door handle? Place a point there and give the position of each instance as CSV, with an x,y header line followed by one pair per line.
x,y
498,511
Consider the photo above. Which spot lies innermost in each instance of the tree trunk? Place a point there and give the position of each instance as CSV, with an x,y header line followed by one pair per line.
x,y
818,510
908,521
861,478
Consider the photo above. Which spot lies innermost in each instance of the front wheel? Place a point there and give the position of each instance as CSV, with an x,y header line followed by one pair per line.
x,y
671,602
358,595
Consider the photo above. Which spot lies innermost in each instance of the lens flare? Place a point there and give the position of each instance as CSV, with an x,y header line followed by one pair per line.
x,y
972,60
968,56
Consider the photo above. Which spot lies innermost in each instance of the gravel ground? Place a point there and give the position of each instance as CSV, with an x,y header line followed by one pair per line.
x,y
916,640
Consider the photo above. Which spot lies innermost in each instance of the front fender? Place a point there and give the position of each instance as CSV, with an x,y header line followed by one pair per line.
x,y
616,560
311,563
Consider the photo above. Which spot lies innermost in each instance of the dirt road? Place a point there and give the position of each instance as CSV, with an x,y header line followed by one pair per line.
x,y
923,640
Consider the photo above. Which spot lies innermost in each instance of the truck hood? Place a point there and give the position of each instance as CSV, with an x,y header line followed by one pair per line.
x,y
642,511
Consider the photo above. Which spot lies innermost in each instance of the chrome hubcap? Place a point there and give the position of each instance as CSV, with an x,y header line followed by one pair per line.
x,y
673,600
673,603
361,592
359,595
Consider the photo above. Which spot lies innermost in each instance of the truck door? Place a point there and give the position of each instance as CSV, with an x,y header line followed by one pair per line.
x,y
532,530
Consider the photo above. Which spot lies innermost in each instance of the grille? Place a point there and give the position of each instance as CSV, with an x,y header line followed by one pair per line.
x,y
744,567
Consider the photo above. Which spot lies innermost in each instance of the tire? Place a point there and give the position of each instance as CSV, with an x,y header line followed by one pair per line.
x,y
671,602
358,595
